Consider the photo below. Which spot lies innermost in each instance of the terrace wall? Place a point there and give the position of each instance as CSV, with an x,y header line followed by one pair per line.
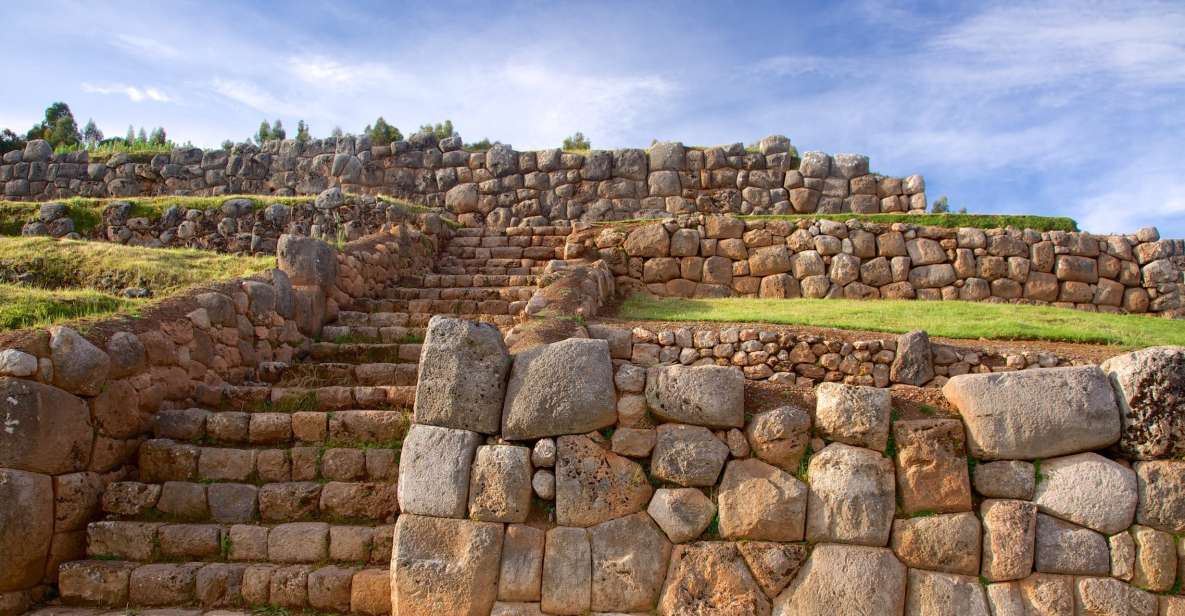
x,y
722,256
498,187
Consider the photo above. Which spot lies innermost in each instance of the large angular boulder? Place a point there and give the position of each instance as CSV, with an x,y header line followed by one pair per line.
x,y
629,562
761,502
593,485
462,376
26,527
1009,532
1089,490
711,578
712,396
914,362
845,579
1161,488
853,414
682,513
944,594
648,241
46,430
567,571
522,563
444,566
561,388
687,455
434,470
772,564
1035,413
1062,547
852,497
780,436
932,466
948,542
1150,387
308,262
1111,597
500,484
79,367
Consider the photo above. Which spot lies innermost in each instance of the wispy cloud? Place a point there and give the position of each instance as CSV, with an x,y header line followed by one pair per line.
x,y
136,94
144,45
254,96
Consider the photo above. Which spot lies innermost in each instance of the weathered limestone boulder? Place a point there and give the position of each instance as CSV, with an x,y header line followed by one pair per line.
x,y
95,582
308,262
711,578
682,513
26,527
648,241
522,563
567,571
79,367
564,387
1123,556
712,396
853,414
1110,597
46,430
1150,387
17,363
772,564
444,566
944,594
914,362
780,436
761,502
462,198
1161,486
845,579
462,376
1089,490
1009,532
594,485
629,562
948,542
1070,549
687,455
1155,559
1035,413
434,470
500,484
852,497
1006,479
932,466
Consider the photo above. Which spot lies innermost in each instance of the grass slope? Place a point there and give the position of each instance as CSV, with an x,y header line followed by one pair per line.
x,y
74,279
944,319
950,221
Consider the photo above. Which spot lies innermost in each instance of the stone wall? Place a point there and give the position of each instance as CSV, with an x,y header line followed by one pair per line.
x,y
76,408
565,479
498,187
721,256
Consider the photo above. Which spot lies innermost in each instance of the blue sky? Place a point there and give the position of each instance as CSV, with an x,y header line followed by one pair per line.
x,y
1069,108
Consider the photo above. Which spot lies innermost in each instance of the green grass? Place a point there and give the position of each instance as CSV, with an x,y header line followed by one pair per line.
x,y
948,319
950,221
79,279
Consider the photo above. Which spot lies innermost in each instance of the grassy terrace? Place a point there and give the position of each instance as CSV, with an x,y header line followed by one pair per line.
x,y
950,221
87,213
69,280
944,319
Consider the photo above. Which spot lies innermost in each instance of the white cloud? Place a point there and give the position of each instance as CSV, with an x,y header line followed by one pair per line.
x,y
254,96
134,93
144,45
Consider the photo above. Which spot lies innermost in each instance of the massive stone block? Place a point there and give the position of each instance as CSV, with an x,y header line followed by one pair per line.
x,y
594,485
948,542
932,466
687,455
307,261
761,502
780,436
26,527
944,594
854,415
45,429
1161,488
561,388
462,376
79,366
567,571
434,470
914,362
522,563
1035,413
852,496
711,578
444,566
500,484
1089,490
846,579
1150,388
629,562
1009,532
1067,548
712,396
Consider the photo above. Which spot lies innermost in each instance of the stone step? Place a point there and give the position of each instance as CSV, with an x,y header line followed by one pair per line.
x,y
489,262
132,585
366,352
284,543
271,428
537,253
412,308
507,293
561,230
467,280
488,270
276,399
154,499
310,374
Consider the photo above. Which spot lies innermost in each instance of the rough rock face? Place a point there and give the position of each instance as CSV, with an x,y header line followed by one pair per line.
x,y
46,430
462,376
1089,490
773,565
712,396
932,466
854,415
761,503
444,566
851,497
1009,530
837,579
434,470
948,542
1150,388
1070,549
682,513
79,366
780,436
1161,499
567,571
688,455
561,388
913,364
594,485
1035,413
944,594
500,484
522,563
629,561
711,578
308,262
25,530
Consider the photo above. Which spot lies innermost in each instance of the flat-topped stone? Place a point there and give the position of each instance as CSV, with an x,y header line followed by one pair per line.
x,y
712,396
462,376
